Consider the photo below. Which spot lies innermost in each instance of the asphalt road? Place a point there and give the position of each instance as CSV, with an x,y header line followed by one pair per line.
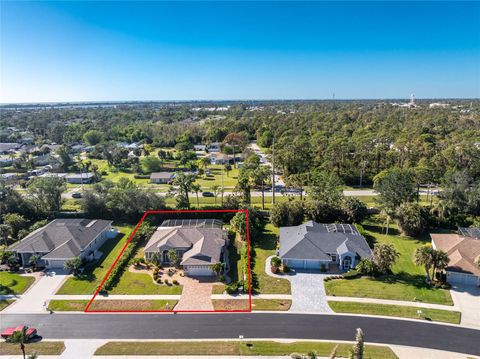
x,y
250,325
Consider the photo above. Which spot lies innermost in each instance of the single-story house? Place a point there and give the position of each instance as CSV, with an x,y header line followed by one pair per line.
x,y
5,162
78,178
162,177
214,147
314,245
198,244
6,148
217,158
64,239
463,250
199,148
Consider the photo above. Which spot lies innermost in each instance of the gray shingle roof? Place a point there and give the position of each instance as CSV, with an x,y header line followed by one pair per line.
x,y
204,244
162,175
62,238
313,240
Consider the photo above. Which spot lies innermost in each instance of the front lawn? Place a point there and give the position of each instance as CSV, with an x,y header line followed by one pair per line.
x,y
436,315
264,247
407,282
11,283
248,348
257,304
142,283
93,275
41,348
5,303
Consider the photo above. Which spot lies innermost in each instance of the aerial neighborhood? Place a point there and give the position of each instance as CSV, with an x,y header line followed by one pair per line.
x,y
281,179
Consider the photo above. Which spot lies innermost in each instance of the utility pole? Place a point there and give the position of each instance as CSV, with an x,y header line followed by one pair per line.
x,y
273,171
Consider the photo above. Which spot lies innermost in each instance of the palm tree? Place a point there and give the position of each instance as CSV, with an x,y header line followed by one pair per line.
x,y
33,261
227,167
260,175
196,189
217,268
440,261
424,256
205,162
19,337
215,189
5,231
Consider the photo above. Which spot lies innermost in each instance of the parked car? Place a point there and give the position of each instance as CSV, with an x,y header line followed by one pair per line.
x,y
207,194
30,332
77,195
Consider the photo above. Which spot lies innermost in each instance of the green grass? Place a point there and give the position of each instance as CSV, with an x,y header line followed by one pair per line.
x,y
407,282
215,177
5,303
11,283
436,315
271,304
91,278
235,348
41,348
142,283
80,305
263,248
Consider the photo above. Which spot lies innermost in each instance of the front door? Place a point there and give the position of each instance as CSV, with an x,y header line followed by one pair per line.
x,y
347,262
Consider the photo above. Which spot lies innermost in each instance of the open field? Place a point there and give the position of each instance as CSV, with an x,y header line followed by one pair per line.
x,y
236,348
11,283
436,315
41,348
407,282
91,278
79,305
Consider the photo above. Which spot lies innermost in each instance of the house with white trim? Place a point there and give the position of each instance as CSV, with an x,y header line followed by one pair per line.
x,y
64,239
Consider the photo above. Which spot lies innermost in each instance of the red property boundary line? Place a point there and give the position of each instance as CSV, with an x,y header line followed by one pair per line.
x,y
247,232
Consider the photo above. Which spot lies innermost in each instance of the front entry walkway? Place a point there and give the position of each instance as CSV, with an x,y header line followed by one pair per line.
x,y
34,299
196,294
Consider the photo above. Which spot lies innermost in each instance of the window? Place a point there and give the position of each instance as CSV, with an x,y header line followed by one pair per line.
x,y
334,257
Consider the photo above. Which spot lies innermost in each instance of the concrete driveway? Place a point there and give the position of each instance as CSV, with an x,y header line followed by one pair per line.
x,y
308,292
467,299
34,298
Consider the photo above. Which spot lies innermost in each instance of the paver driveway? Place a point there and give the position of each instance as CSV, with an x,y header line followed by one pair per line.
x,y
308,292
196,294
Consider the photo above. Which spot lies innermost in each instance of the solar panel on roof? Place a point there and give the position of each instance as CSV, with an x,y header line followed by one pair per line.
x,y
471,232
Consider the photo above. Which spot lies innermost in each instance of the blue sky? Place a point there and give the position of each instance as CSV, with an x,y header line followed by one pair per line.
x,y
89,51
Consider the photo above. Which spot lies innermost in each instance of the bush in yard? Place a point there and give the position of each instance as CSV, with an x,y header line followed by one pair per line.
x,y
274,269
384,256
412,219
175,282
232,288
167,282
366,267
290,213
73,265
276,262
221,278
159,280
352,273
354,210
286,269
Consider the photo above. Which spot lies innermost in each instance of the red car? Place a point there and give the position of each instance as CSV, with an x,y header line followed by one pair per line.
x,y
30,332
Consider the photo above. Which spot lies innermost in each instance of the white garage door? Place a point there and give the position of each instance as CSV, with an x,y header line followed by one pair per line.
x,y
461,278
199,271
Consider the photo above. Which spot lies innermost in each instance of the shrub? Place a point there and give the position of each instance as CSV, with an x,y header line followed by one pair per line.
x,y
221,278
232,288
323,268
159,280
167,282
366,267
352,273
175,282
286,269
274,269
412,219
276,262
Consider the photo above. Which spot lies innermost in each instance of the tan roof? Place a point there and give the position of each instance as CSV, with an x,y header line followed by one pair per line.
x,y
462,251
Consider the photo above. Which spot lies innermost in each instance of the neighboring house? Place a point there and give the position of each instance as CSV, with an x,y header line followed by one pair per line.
x,y
64,239
9,177
5,162
463,249
52,174
313,245
199,243
6,148
219,158
199,148
214,147
162,177
78,178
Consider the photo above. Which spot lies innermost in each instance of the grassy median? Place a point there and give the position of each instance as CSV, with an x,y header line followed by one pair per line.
x,y
236,348
41,348
111,304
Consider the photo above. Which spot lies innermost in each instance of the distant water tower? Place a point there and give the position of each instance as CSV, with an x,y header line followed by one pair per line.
x,y
412,99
